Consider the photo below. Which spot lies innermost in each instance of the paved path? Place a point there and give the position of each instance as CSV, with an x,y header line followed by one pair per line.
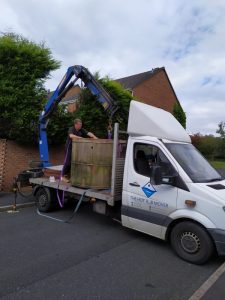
x,y
7,199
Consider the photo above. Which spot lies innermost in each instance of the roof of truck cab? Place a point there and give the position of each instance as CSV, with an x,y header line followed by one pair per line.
x,y
147,120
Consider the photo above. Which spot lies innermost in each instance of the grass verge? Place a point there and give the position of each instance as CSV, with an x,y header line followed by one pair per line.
x,y
218,164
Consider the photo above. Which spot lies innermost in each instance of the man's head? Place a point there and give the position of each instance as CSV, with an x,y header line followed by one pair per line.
x,y
77,124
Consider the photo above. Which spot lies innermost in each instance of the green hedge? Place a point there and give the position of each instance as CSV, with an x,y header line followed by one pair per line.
x,y
179,114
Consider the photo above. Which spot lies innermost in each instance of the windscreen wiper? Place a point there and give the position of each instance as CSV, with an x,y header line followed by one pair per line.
x,y
215,179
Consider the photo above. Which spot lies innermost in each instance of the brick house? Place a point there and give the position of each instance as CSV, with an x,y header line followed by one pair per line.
x,y
70,100
151,87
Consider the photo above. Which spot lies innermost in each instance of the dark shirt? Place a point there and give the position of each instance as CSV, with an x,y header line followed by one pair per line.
x,y
72,130
82,132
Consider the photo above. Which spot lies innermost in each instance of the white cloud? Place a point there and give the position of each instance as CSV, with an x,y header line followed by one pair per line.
x,y
120,39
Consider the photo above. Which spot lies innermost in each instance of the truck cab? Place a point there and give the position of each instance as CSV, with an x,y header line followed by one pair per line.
x,y
169,190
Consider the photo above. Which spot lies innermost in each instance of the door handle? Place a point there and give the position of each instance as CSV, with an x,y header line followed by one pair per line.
x,y
134,184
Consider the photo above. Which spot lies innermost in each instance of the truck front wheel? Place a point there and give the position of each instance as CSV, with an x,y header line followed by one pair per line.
x,y
191,242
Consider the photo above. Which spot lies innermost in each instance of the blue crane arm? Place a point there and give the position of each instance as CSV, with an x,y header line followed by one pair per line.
x,y
79,72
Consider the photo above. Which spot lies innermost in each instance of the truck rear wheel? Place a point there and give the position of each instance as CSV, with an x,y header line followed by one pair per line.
x,y
191,242
44,199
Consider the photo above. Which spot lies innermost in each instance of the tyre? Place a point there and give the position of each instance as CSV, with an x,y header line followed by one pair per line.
x,y
191,242
44,199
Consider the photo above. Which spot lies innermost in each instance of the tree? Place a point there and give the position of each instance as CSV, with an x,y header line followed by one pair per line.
x,y
179,114
24,67
221,129
196,139
58,125
92,113
209,145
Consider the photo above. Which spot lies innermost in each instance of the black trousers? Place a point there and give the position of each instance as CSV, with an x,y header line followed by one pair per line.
x,y
67,163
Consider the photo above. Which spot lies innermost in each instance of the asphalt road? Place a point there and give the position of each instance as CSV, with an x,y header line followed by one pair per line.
x,y
93,257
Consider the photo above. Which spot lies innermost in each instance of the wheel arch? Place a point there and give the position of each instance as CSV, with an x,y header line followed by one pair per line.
x,y
182,215
180,220
36,189
187,219
48,190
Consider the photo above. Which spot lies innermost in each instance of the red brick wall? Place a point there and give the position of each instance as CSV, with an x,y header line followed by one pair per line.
x,y
17,158
156,91
71,107
73,91
2,161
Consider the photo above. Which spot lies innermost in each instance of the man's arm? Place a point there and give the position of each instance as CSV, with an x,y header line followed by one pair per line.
x,y
71,135
91,135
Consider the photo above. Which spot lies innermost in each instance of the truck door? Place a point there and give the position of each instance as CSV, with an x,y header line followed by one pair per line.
x,y
148,206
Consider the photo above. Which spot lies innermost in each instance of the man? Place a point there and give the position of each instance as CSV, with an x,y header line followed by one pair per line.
x,y
74,132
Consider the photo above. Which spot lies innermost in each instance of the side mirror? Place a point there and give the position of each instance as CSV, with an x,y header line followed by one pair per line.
x,y
171,180
157,178
156,175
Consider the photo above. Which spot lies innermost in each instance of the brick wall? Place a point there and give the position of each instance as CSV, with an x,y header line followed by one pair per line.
x,y
2,161
73,91
17,158
156,91
72,107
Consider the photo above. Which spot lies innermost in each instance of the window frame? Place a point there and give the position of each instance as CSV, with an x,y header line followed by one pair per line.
x,y
158,149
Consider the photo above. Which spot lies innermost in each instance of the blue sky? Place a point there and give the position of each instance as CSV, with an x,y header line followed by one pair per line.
x,y
121,38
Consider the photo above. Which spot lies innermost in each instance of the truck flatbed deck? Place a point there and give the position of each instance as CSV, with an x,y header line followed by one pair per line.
x,y
104,195
67,187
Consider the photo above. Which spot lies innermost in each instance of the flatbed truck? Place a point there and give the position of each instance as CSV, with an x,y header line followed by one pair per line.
x,y
162,187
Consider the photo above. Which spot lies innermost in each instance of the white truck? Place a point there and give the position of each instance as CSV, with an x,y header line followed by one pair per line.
x,y
162,186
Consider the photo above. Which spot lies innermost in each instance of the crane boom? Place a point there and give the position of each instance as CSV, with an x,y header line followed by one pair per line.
x,y
79,72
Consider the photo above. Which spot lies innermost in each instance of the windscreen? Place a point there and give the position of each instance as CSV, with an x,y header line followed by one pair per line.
x,y
193,163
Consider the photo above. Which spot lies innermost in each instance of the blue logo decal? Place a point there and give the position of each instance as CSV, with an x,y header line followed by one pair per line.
x,y
148,189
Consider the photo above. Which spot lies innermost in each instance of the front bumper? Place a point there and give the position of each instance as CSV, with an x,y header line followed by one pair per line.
x,y
218,235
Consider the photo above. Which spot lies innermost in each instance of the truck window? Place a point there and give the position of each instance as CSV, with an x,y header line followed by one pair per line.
x,y
193,163
145,155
